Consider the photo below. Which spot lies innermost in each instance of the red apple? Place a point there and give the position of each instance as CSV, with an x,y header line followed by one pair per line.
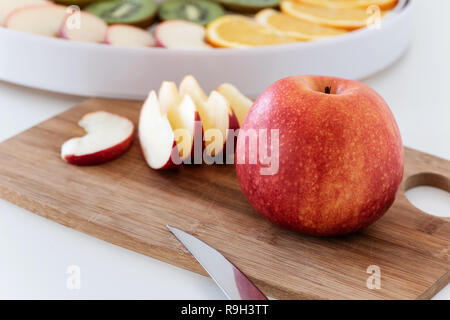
x,y
108,137
340,155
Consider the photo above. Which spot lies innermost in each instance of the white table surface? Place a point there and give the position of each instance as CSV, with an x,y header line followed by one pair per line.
x,y
35,252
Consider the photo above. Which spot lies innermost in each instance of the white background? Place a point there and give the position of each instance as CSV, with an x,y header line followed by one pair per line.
x,y
35,253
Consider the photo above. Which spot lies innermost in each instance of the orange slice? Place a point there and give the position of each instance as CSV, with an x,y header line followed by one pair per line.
x,y
383,4
236,31
348,18
293,27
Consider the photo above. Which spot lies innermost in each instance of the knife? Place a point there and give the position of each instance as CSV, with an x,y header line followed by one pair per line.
x,y
227,276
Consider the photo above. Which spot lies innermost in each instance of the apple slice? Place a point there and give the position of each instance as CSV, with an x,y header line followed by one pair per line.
x,y
216,115
84,27
185,121
184,118
180,34
44,20
239,103
8,6
128,36
220,120
108,137
156,136
168,95
189,85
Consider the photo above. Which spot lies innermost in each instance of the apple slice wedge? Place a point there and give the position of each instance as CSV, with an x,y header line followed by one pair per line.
x,y
216,115
239,102
156,136
189,85
180,34
44,20
108,137
168,96
83,27
184,120
219,127
8,6
128,36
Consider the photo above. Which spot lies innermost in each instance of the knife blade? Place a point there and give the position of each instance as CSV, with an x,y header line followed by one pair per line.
x,y
234,284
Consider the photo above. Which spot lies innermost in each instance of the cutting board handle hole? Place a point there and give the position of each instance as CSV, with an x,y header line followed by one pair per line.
x,y
430,193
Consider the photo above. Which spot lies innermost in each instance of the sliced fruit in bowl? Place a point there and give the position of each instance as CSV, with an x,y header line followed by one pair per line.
x,y
8,6
76,2
341,4
249,6
107,137
88,28
347,18
128,36
197,11
180,34
237,31
139,13
43,20
293,27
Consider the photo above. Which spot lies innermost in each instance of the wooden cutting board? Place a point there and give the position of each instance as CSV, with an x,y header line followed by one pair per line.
x,y
128,204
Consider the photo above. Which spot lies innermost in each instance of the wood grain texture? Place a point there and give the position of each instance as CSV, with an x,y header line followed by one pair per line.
x,y
128,204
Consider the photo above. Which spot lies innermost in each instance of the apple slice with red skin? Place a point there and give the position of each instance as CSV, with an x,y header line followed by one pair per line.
x,y
8,6
44,20
89,28
239,102
221,119
215,113
189,85
157,137
168,96
180,34
128,36
108,137
184,120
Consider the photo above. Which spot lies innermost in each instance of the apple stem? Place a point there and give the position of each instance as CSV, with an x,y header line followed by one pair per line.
x,y
327,90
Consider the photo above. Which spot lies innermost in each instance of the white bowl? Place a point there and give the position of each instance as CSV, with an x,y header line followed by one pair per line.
x,y
129,73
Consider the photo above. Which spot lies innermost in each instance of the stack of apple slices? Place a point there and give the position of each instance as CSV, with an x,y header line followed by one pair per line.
x,y
184,126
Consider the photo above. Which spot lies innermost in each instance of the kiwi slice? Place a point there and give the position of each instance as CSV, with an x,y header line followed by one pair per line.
x,y
134,12
197,11
76,2
248,6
